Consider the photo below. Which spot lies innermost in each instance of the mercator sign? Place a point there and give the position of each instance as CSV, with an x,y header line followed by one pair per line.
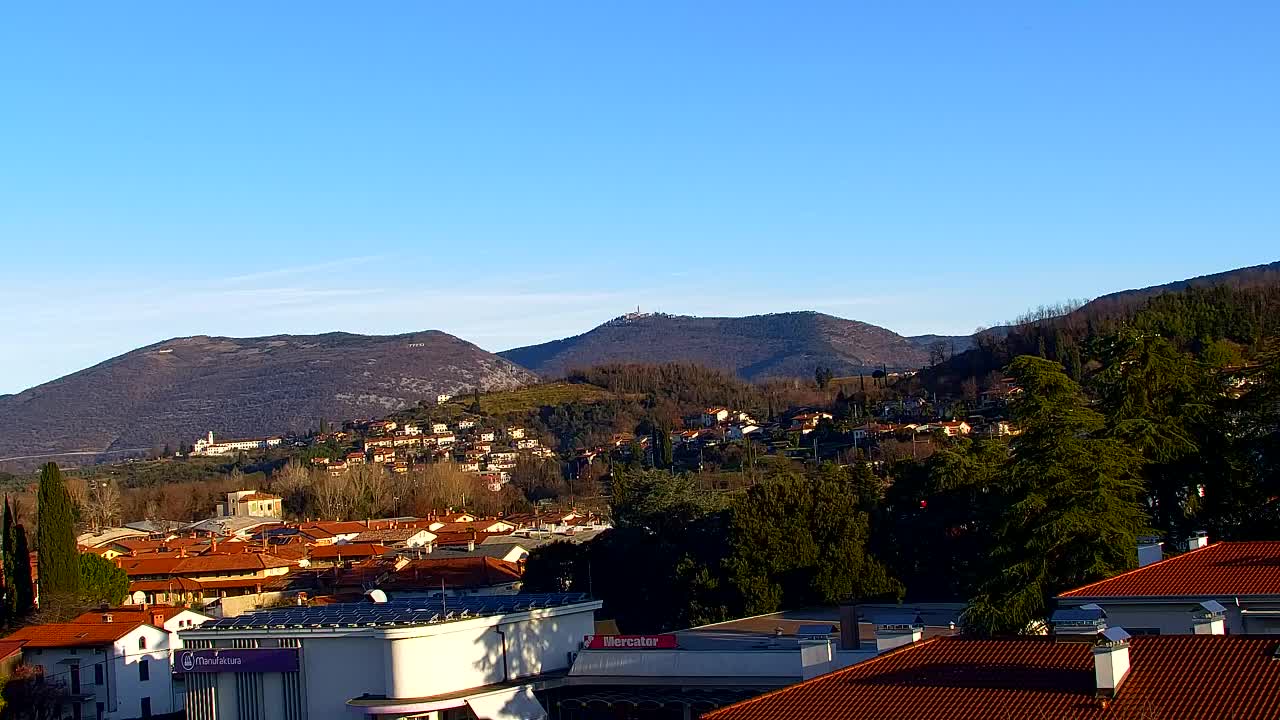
x,y
630,642
237,660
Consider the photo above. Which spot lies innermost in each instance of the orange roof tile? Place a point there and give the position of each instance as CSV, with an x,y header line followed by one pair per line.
x,y
74,634
351,551
9,647
471,572
148,565
131,612
1224,568
218,563
170,584
1173,677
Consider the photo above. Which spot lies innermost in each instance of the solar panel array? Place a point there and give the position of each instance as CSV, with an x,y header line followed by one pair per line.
x,y
425,611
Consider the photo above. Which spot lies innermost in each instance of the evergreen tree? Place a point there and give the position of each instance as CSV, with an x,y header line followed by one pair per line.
x,y
663,453
56,540
1159,401
23,586
798,540
9,541
1071,512
101,581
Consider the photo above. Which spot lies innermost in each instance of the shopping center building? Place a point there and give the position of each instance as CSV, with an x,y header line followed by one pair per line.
x,y
440,658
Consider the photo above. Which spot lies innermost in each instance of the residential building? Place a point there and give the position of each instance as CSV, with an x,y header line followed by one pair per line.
x,y
110,669
397,537
952,428
251,503
336,555
478,574
1168,597
714,416
488,657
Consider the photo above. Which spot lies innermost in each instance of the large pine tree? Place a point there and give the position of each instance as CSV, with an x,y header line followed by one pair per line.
x,y
55,539
1071,511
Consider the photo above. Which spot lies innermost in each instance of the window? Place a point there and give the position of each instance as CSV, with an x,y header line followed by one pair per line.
x,y
144,670
146,708
99,710
97,673
142,643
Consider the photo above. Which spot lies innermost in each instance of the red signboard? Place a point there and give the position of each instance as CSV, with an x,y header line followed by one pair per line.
x,y
630,642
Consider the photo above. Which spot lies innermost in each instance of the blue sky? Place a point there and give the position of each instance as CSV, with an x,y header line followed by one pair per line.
x,y
516,172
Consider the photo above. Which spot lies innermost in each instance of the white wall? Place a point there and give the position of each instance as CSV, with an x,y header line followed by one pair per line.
x,y
121,692
415,662
1174,618
129,689
338,669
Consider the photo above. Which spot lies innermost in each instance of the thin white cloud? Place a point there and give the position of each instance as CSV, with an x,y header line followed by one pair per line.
x,y
300,269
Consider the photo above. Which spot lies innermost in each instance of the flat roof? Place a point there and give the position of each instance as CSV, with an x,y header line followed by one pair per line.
x,y
399,613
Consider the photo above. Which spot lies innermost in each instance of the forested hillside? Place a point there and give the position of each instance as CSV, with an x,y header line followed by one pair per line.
x,y
1162,419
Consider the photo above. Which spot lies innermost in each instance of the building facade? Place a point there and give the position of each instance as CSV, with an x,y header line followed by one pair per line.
x,y
438,658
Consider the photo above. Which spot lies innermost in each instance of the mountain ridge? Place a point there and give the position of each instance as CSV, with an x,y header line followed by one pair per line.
x,y
177,389
787,344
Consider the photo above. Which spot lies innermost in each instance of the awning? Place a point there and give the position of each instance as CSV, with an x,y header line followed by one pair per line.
x,y
514,704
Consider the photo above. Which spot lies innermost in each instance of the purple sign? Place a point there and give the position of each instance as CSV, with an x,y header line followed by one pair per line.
x,y
255,661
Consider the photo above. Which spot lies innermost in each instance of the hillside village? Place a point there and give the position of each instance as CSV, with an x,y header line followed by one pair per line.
x,y
490,449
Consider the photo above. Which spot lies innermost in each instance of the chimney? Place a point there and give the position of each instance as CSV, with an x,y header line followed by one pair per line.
x,y
157,619
1209,618
1110,661
107,617
849,627
1150,551
1197,541
897,630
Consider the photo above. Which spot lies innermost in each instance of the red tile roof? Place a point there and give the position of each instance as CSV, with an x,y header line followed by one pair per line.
x,y
148,565
243,562
1225,568
74,634
458,573
9,647
1173,677
173,584
350,551
132,612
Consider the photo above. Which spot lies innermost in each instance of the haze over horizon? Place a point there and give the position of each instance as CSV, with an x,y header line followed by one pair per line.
x,y
243,170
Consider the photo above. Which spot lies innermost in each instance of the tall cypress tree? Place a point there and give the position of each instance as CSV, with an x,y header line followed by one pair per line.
x,y
23,588
9,545
55,538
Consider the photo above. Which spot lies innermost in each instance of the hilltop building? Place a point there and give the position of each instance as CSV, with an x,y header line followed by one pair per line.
x,y
207,446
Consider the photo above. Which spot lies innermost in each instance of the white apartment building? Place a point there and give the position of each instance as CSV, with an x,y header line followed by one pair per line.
x,y
473,658
111,670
